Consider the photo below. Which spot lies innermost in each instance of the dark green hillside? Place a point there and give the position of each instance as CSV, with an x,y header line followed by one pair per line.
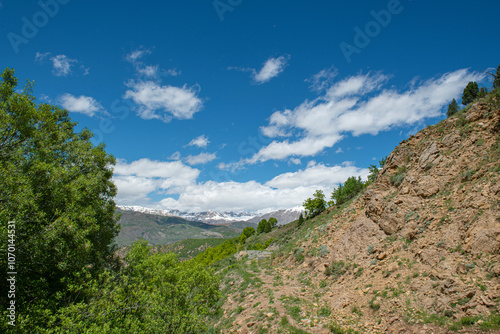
x,y
165,230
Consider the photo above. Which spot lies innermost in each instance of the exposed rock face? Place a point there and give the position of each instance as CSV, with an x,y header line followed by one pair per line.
x,y
424,238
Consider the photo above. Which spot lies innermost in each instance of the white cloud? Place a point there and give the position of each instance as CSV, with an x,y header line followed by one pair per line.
x,y
40,57
201,158
323,79
272,68
62,65
82,104
295,161
139,181
139,178
317,175
201,141
357,105
135,55
163,102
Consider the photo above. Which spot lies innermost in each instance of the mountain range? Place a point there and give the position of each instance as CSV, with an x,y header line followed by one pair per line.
x,y
221,218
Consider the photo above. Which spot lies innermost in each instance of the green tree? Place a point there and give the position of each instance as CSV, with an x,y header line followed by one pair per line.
x,y
496,80
248,231
262,226
482,92
301,220
273,222
373,173
453,108
316,205
470,93
348,190
56,186
155,293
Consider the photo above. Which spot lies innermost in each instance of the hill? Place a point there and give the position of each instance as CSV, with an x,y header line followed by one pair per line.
x,y
417,252
157,229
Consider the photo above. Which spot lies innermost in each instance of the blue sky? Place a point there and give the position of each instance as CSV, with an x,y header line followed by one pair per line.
x,y
237,105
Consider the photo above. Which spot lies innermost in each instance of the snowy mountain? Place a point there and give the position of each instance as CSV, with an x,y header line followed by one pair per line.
x,y
283,216
219,218
210,217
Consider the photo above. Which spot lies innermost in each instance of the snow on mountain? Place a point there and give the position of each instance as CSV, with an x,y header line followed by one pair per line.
x,y
283,216
217,218
210,217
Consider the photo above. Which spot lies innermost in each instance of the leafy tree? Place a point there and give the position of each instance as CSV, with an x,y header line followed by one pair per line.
x,y
56,186
262,226
155,293
248,231
316,205
453,108
470,93
348,190
273,222
301,220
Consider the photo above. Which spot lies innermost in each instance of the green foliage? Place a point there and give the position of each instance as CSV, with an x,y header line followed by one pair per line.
x,y
248,231
273,222
56,186
348,190
214,254
266,226
482,92
316,205
453,108
470,93
301,220
399,177
373,173
496,80
336,269
154,294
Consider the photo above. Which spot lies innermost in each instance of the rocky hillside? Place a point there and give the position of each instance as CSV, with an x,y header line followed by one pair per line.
x,y
417,252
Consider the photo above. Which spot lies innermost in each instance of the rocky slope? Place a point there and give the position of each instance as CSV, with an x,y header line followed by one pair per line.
x,y
417,252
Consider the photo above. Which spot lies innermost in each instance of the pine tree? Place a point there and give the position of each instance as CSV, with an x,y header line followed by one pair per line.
x,y
496,81
482,92
453,108
301,220
471,93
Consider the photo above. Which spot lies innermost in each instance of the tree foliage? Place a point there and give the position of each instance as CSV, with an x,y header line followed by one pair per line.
x,y
470,93
265,226
155,293
496,80
56,186
301,220
316,205
453,108
348,190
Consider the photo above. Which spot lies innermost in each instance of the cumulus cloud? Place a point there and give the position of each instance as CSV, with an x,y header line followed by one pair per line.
x,y
81,104
140,181
163,102
201,141
136,180
200,159
62,65
356,105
